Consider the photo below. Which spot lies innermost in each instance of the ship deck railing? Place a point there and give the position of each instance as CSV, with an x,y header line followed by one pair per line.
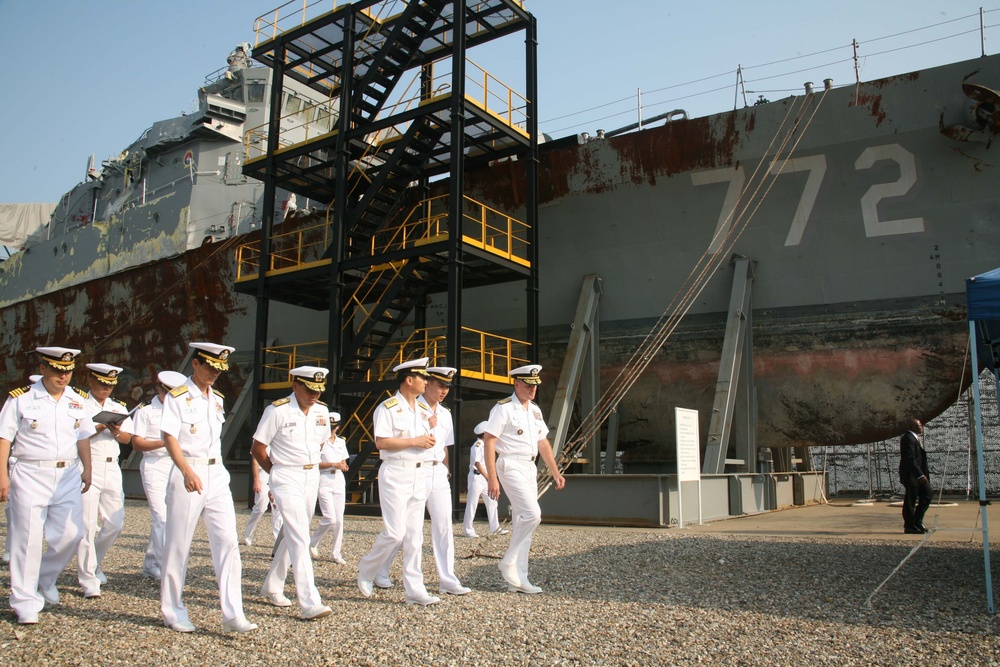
x,y
312,123
483,356
483,227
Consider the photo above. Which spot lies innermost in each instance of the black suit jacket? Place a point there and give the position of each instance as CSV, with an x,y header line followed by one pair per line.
x,y
912,459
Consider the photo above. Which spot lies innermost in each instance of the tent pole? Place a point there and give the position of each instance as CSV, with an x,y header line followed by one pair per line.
x,y
979,460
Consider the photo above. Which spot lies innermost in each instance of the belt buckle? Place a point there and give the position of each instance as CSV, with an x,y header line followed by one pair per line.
x,y
419,463
60,464
308,467
211,461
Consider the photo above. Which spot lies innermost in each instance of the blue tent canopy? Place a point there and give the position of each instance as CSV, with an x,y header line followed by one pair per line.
x,y
982,294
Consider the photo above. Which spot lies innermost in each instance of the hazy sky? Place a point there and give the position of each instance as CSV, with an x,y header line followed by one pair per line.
x,y
90,77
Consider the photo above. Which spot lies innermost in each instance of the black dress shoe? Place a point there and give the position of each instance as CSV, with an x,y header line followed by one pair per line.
x,y
922,528
913,531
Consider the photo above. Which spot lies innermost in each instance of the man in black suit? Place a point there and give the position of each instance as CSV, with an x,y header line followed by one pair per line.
x,y
915,477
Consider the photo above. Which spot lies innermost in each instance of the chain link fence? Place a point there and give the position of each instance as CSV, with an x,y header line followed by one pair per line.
x,y
872,469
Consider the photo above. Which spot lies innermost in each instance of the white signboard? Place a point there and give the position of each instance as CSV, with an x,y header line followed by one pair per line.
x,y
688,460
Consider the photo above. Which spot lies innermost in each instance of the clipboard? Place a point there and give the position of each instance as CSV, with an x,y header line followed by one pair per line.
x,y
108,417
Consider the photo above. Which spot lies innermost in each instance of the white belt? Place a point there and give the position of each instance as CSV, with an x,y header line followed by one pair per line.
x,y
204,462
105,459
397,463
517,457
64,463
308,466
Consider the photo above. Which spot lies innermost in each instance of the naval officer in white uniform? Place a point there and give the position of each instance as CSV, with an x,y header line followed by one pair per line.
x,y
515,435
106,496
478,487
436,476
287,445
48,429
261,502
332,493
402,434
198,488
155,468
32,379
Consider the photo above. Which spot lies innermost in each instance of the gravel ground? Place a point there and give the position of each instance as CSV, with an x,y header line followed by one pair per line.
x,y
612,597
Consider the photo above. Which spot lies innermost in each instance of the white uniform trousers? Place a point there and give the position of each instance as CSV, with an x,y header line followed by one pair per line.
x,y
402,495
520,482
6,540
332,497
479,487
215,506
106,498
260,503
45,503
439,509
295,491
155,471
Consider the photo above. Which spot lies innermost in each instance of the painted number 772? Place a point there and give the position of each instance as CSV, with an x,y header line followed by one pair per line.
x,y
815,167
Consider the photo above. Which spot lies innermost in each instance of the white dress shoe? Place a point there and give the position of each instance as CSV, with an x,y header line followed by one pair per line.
x,y
6,556
100,576
248,541
472,534
423,600
500,531
365,587
383,582
152,573
314,552
51,595
339,561
510,575
526,587
456,590
28,619
277,599
238,624
314,613
92,593
182,626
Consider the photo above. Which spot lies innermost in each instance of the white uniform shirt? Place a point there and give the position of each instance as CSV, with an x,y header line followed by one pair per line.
x,y
43,429
293,437
444,434
477,455
334,452
393,418
195,420
517,429
147,425
104,444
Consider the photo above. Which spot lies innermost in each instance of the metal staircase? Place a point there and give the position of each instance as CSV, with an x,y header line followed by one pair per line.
x,y
397,236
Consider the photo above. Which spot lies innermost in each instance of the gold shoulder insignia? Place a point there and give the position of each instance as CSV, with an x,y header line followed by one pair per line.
x,y
121,403
323,404
424,406
14,393
504,400
391,403
82,392
179,391
281,401
445,408
218,393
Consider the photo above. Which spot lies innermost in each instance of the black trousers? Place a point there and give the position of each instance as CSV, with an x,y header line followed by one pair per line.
x,y
915,502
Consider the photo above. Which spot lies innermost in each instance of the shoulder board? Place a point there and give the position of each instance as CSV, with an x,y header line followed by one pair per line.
x,y
504,400
323,404
121,403
423,405
179,391
218,393
391,403
533,403
82,392
14,393
445,409
281,401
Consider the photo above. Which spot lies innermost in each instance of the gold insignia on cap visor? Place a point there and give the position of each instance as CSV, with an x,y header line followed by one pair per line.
x,y
60,358
216,362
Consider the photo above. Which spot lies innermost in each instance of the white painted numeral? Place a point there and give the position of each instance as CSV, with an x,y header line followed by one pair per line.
x,y
880,191
737,181
816,166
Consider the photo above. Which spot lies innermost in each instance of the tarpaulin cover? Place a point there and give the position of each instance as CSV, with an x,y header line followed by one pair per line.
x,y
982,294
